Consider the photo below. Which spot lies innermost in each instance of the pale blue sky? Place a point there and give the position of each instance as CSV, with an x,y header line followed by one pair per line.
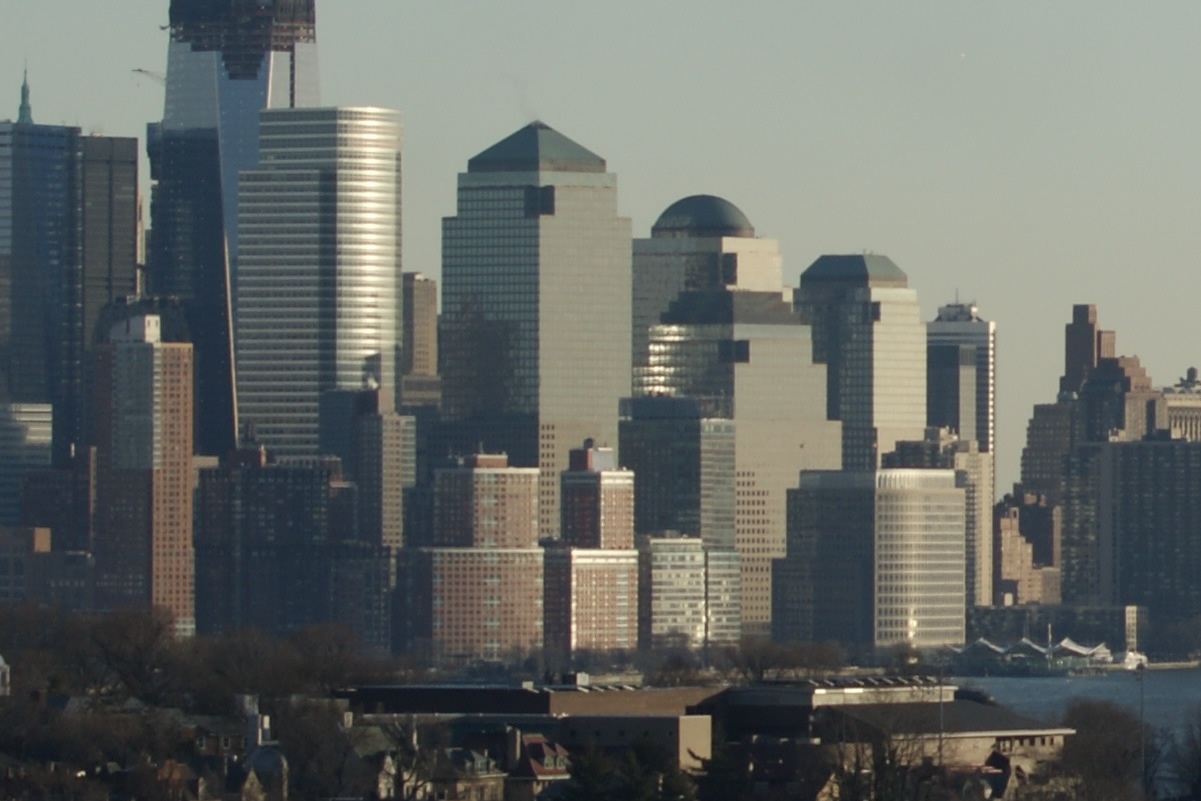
x,y
1029,154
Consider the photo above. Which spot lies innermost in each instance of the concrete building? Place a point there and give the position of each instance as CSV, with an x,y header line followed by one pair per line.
x,y
144,447
597,500
420,383
591,582
362,430
319,215
265,529
64,501
943,450
1130,533
1027,551
477,593
33,572
961,374
867,331
225,63
875,559
590,601
535,325
1183,405
736,347
671,591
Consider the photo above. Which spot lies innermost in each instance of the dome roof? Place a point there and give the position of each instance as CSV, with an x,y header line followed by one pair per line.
x,y
702,215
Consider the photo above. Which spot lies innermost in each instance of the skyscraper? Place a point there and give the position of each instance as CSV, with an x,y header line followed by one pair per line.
x,y
590,599
961,374
867,330
143,424
319,284
276,550
68,246
535,305
420,384
874,559
684,460
226,62
736,345
477,594
697,243
943,450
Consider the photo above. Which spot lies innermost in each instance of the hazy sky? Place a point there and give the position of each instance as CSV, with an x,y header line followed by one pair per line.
x,y
1028,155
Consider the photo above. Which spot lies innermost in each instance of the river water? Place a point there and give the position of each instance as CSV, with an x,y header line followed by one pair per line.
x,y
1169,696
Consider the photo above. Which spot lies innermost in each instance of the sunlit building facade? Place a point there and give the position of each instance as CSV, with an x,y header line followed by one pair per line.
x,y
867,330
225,63
535,305
319,283
875,560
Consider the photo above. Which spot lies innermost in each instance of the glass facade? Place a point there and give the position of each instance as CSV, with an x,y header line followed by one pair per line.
x,y
225,65
535,305
319,283
875,559
867,328
745,356
959,325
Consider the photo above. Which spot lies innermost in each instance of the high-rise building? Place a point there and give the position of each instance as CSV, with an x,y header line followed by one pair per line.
x,y
875,559
597,500
535,305
671,591
684,460
1183,404
590,601
1027,551
477,593
867,330
697,243
63,500
225,63
276,550
961,374
319,217
736,346
420,383
68,246
360,428
943,450
25,437
1130,532
144,438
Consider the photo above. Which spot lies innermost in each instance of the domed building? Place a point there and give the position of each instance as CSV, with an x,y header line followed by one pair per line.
x,y
728,403
698,242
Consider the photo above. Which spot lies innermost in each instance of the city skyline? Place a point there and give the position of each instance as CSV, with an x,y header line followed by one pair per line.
x,y
982,149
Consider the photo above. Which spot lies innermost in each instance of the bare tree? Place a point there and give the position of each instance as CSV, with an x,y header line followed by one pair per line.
x,y
1183,758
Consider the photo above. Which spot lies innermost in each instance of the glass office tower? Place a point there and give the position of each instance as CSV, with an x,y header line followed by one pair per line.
x,y
867,329
319,282
535,305
226,63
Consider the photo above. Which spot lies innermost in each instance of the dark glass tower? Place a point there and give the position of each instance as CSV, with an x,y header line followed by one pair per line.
x,y
68,247
226,62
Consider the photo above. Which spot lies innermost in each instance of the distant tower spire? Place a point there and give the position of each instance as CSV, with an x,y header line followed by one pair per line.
x,y
25,114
